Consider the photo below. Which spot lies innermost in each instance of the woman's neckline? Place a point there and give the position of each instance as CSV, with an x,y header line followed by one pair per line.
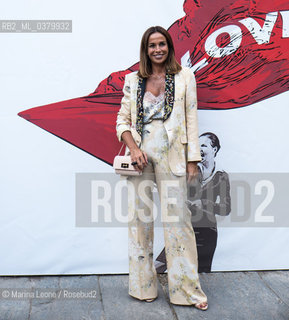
x,y
149,92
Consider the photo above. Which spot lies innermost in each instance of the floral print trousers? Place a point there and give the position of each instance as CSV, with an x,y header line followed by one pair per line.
x,y
180,242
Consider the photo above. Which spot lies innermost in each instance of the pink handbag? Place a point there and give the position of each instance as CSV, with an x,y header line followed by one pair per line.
x,y
122,165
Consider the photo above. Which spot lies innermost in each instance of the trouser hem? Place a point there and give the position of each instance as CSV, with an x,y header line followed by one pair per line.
x,y
144,298
188,304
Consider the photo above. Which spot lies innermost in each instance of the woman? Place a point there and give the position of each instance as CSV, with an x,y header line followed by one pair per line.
x,y
158,123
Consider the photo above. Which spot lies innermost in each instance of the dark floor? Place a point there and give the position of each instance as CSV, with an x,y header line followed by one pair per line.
x,y
231,296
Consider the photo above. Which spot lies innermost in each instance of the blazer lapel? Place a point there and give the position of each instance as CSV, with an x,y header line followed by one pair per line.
x,y
169,94
139,104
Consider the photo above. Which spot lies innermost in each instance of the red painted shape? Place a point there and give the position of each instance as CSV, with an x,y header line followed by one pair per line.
x,y
252,73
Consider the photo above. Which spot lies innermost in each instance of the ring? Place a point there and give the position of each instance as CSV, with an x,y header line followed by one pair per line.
x,y
134,163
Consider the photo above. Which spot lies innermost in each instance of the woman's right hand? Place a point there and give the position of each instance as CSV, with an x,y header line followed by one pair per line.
x,y
136,154
139,156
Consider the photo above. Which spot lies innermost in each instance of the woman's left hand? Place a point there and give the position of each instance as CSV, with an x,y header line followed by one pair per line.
x,y
192,170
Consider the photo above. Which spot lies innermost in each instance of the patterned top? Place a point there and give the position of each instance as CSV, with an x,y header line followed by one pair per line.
x,y
169,99
153,107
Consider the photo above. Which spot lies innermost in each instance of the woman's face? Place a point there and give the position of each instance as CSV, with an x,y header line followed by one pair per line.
x,y
158,49
207,151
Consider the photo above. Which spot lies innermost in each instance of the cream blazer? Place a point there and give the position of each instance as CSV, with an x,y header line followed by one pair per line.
x,y
181,126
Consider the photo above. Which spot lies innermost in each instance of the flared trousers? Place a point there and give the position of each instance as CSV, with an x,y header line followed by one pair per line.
x,y
180,242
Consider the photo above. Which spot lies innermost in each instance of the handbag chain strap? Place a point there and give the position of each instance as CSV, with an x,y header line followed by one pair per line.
x,y
120,149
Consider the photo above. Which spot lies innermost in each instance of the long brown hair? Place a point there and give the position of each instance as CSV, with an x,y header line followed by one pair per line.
x,y
145,65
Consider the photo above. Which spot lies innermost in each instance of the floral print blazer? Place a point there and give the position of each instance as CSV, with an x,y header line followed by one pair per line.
x,y
180,120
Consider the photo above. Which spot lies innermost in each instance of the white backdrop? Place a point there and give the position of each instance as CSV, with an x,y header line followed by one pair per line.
x,y
37,189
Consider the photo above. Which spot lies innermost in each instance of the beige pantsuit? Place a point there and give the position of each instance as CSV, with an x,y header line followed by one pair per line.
x,y
169,145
